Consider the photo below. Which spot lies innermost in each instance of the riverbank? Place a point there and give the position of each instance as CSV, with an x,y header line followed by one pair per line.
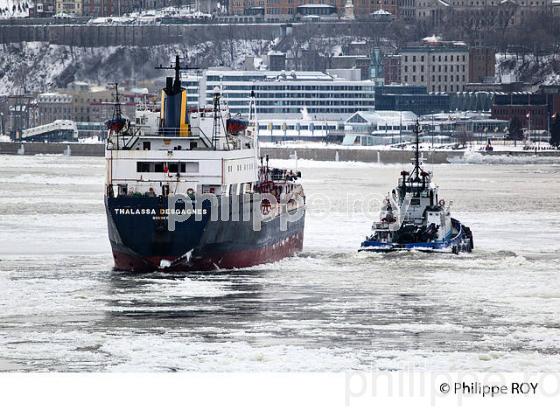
x,y
326,153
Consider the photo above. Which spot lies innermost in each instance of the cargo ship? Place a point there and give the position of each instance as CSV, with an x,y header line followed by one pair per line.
x,y
186,189
414,217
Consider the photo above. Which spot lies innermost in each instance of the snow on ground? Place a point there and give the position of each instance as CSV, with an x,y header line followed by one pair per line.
x,y
508,147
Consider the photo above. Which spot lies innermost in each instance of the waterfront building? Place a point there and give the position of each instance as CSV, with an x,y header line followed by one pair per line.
x,y
281,94
532,110
299,129
379,127
478,101
413,98
463,126
397,127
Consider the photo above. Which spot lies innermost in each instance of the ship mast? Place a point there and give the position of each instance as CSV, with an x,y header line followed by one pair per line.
x,y
417,151
177,68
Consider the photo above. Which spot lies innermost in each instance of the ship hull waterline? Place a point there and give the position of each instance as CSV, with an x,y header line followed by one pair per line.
x,y
141,241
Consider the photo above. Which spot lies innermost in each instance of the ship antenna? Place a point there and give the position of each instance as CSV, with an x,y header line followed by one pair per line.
x,y
417,153
177,68
252,113
117,113
177,73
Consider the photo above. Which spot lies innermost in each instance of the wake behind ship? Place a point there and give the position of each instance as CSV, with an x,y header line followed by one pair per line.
x,y
234,210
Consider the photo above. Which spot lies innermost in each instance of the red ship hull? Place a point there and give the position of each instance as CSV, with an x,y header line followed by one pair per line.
x,y
128,261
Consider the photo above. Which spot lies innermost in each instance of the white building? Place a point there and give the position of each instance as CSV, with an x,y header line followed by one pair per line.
x,y
379,127
298,129
281,95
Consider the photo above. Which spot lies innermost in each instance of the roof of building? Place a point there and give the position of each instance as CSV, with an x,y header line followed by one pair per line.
x,y
256,75
316,6
384,116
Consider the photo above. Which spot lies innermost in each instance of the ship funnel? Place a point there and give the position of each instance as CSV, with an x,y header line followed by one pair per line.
x,y
173,116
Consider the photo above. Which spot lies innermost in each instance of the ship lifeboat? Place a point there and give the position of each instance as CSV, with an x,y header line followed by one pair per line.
x,y
236,125
117,125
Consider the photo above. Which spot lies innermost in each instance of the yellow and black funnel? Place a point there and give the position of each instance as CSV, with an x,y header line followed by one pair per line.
x,y
174,120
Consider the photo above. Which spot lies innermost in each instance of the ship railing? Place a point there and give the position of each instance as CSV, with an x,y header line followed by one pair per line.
x,y
196,133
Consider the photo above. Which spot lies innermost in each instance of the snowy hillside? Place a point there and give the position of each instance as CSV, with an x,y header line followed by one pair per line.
x,y
528,68
38,66
14,8
41,66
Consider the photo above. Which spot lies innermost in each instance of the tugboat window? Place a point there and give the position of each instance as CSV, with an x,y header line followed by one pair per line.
x,y
146,145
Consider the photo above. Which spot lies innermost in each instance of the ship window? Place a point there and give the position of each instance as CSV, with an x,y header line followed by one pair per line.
x,y
146,145
142,167
415,201
172,167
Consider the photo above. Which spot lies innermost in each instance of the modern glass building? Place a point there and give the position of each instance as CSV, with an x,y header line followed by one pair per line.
x,y
413,98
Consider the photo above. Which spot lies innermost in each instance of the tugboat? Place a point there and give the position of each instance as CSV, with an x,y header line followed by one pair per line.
x,y
414,217
232,211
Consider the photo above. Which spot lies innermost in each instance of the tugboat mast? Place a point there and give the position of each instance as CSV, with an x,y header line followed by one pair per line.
x,y
417,152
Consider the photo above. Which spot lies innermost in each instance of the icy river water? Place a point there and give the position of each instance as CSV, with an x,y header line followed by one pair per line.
x,y
62,308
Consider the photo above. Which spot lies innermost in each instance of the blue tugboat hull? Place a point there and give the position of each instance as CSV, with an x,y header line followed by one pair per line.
x,y
461,241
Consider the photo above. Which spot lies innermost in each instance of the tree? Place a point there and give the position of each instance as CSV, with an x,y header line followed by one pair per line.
x,y
515,129
555,130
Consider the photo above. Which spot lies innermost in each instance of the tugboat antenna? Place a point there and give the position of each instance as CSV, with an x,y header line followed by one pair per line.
x,y
417,153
